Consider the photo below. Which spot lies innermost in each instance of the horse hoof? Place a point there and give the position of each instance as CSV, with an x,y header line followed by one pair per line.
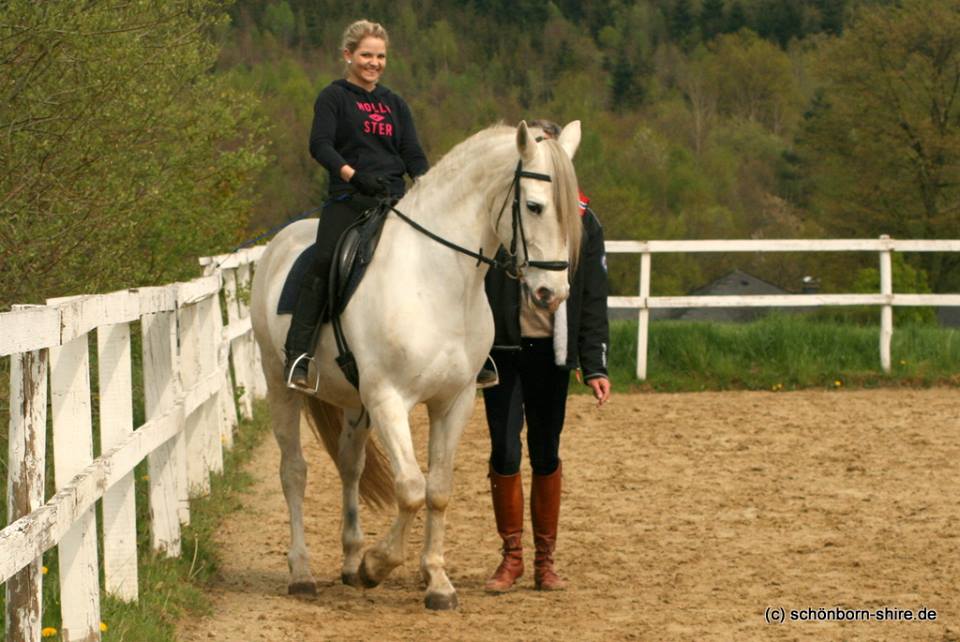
x,y
441,602
302,588
351,579
365,580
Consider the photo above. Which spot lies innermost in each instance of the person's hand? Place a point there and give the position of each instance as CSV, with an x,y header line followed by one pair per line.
x,y
601,389
369,184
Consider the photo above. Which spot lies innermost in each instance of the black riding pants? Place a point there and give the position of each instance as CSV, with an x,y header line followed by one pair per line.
x,y
335,218
532,386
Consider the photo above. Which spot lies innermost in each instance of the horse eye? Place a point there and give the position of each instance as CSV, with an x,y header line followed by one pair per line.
x,y
535,207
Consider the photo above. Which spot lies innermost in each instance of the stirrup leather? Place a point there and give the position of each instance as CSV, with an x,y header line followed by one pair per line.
x,y
293,367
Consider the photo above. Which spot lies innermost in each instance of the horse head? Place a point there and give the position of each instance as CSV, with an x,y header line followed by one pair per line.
x,y
543,232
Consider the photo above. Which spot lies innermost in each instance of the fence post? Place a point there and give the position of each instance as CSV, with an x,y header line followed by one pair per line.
x,y
25,485
211,338
239,347
886,312
244,283
643,325
159,390
72,451
227,407
198,477
116,424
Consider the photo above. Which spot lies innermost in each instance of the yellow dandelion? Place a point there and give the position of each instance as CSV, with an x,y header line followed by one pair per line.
x,y
103,627
44,570
837,383
48,632
903,362
145,478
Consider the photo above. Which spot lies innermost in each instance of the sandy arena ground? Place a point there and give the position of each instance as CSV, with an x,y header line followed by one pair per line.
x,y
685,517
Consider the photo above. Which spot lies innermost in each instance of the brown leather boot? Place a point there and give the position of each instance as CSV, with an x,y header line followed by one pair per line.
x,y
507,492
545,513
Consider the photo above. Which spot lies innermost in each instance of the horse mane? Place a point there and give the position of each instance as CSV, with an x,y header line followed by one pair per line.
x,y
495,147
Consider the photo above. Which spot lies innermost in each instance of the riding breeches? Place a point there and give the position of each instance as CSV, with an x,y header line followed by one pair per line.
x,y
531,386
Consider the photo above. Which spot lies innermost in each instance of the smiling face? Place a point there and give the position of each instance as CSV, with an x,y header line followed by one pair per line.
x,y
366,63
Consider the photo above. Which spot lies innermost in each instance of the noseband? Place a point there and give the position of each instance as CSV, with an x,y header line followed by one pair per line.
x,y
512,264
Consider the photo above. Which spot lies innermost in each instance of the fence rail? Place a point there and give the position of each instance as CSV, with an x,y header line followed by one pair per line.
x,y
190,417
885,299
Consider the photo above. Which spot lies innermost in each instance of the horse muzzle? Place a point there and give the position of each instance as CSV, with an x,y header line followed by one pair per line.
x,y
546,298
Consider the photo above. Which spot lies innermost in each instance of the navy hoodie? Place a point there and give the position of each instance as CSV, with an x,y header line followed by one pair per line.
x,y
372,131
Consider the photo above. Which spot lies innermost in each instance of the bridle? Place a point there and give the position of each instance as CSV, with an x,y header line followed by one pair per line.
x,y
511,264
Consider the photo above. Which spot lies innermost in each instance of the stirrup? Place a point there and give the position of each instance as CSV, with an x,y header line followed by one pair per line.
x,y
483,377
293,366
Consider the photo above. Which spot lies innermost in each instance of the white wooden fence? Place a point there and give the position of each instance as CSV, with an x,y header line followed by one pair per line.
x,y
190,418
886,298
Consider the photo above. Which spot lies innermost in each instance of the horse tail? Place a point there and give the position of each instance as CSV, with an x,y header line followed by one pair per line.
x,y
376,482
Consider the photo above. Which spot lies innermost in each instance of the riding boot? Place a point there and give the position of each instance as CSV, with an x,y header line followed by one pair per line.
x,y
545,514
300,338
507,492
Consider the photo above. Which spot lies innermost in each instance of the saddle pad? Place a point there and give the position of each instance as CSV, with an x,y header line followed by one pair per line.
x,y
291,286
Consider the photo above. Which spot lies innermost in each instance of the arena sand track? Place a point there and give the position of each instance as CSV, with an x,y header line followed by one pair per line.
x,y
685,516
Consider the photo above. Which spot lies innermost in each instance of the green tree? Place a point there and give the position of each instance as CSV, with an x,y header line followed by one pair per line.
x,y
756,81
680,20
711,19
832,15
906,280
279,20
883,147
123,157
780,20
736,18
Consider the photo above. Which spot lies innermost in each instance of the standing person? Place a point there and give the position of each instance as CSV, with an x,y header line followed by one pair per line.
x,y
535,351
364,135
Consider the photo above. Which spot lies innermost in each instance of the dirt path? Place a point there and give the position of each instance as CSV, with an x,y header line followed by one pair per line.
x,y
685,517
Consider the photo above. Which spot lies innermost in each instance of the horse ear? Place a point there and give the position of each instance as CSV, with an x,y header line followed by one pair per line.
x,y
526,145
570,138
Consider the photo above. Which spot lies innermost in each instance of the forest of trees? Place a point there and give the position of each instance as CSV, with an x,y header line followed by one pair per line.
x,y
702,119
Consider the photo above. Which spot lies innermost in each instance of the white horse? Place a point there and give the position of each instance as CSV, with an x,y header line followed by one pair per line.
x,y
420,328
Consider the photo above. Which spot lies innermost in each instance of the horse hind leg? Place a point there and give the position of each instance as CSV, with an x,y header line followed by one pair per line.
x,y
446,426
285,415
393,430
350,462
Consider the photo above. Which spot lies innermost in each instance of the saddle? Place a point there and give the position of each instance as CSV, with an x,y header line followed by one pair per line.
x,y
353,254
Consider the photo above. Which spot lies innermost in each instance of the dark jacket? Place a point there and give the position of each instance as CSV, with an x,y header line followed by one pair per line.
x,y
585,340
373,132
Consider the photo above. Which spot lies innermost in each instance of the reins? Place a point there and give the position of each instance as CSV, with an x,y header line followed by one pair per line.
x,y
512,265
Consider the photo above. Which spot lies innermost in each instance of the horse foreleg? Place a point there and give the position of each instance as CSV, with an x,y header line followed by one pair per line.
x,y
285,415
446,427
393,429
353,438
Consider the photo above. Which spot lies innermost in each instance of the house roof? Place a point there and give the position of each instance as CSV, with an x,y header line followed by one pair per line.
x,y
735,282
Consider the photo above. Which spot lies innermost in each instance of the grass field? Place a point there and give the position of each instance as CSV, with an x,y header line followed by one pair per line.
x,y
782,352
